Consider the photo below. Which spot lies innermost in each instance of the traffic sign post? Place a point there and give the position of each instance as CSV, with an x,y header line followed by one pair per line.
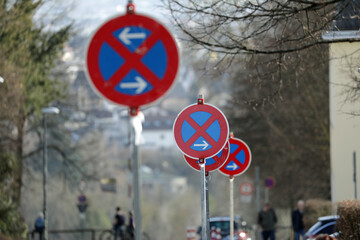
x,y
237,163
239,159
132,60
269,183
201,132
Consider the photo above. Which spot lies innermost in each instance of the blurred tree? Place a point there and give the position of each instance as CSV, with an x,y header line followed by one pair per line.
x,y
234,27
288,135
273,55
27,55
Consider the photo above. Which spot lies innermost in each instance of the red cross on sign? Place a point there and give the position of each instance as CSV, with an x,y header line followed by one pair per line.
x,y
201,131
239,159
132,60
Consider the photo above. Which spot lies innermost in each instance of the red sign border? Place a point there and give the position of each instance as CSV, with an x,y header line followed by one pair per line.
x,y
246,193
186,113
190,161
223,170
107,91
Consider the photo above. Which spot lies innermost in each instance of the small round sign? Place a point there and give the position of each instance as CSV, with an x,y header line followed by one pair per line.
x,y
211,164
82,199
269,182
246,188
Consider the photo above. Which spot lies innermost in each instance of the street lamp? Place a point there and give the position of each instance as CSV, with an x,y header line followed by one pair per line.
x,y
45,112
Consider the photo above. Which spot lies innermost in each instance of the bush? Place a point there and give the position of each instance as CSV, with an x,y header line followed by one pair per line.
x,y
348,223
315,208
11,224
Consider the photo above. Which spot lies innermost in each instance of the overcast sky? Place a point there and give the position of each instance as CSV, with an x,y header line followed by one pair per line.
x,y
90,14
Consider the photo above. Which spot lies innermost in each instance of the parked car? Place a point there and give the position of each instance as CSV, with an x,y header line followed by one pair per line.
x,y
223,224
325,225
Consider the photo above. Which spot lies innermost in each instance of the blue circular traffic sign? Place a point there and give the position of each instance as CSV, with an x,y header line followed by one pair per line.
x,y
201,130
239,159
132,60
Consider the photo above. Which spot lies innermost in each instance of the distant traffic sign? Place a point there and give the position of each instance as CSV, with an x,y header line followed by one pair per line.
x,y
82,199
212,163
201,131
246,188
269,182
239,159
132,60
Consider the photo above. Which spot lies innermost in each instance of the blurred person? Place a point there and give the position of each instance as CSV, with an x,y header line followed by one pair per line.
x,y
118,224
297,220
131,227
39,225
267,221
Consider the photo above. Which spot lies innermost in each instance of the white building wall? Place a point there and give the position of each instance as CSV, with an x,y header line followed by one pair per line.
x,y
159,138
344,127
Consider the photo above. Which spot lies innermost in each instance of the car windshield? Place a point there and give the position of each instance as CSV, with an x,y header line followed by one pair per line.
x,y
315,226
223,225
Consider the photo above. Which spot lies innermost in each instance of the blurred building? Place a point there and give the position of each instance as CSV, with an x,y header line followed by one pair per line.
x,y
344,100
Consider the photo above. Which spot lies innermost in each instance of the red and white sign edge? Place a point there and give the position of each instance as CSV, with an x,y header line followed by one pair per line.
x,y
177,44
227,126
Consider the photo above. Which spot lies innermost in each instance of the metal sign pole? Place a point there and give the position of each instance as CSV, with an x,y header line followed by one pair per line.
x,y
203,200
136,119
257,182
137,192
355,182
45,175
231,186
266,194
207,205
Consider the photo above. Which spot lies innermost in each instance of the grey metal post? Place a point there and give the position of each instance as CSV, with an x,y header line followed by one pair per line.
x,y
137,191
45,173
203,201
266,191
45,111
136,119
355,181
257,182
231,186
207,175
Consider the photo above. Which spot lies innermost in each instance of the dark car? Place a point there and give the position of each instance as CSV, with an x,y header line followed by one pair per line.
x,y
223,225
325,225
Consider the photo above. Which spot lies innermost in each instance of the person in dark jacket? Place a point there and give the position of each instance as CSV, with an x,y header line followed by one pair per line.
x,y
119,222
297,220
267,221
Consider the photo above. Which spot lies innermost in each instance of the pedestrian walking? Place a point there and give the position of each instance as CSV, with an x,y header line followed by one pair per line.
x,y
39,225
267,221
297,220
131,227
118,224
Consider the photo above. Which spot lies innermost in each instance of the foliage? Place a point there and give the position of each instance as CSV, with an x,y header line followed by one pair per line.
x,y
11,223
315,208
25,46
234,27
279,106
348,224
27,55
